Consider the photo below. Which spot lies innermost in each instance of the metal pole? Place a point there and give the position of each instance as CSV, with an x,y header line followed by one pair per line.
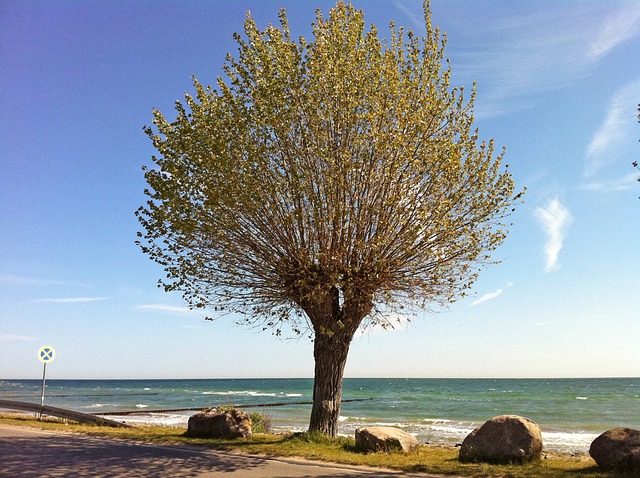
x,y
44,372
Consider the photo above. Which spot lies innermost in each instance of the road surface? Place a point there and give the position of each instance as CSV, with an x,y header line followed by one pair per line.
x,y
29,453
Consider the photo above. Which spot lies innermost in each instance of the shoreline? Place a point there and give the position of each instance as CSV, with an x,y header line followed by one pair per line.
x,y
580,455
426,460
555,440
545,455
41,426
569,412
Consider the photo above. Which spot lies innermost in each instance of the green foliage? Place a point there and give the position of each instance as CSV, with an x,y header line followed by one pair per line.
x,y
326,181
260,423
317,438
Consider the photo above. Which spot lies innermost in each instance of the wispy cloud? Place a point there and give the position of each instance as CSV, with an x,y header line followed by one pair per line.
x,y
617,27
11,279
166,308
490,296
555,219
516,50
393,322
16,338
621,184
415,16
71,300
616,132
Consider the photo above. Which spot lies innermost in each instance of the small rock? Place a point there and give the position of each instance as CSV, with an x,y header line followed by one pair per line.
x,y
617,450
504,439
384,439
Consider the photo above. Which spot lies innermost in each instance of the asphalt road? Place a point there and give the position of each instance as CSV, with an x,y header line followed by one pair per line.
x,y
27,453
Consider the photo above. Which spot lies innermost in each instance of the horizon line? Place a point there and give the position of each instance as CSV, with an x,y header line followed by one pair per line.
x,y
348,378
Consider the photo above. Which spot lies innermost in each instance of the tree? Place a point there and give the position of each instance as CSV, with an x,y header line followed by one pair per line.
x,y
325,185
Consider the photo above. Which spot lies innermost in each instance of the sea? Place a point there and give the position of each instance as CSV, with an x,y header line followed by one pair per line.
x,y
570,412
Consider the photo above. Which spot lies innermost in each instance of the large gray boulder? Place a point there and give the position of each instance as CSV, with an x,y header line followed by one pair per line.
x,y
216,423
617,450
502,440
384,439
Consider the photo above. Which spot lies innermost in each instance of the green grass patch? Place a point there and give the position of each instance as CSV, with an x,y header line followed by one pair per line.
x,y
424,459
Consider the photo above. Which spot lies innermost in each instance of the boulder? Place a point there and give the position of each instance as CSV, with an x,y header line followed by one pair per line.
x,y
617,450
503,440
216,423
384,439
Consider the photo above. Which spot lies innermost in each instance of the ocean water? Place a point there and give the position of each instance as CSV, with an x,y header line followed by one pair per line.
x,y
570,412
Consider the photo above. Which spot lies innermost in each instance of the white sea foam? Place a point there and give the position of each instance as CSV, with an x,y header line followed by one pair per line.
x,y
388,424
582,398
567,442
436,420
141,405
343,418
159,419
246,393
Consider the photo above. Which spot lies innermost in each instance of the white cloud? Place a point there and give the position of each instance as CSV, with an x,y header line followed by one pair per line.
x,y
16,338
72,300
490,295
617,131
487,297
166,308
617,27
415,16
521,53
620,184
515,50
555,219
394,323
12,279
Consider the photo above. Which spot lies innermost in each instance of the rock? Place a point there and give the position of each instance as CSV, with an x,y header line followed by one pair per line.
x,y
216,423
617,450
504,439
384,439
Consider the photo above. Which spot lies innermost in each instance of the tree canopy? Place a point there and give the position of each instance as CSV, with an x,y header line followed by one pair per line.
x,y
325,184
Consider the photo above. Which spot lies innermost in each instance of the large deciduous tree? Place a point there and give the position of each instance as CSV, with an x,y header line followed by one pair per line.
x,y
326,185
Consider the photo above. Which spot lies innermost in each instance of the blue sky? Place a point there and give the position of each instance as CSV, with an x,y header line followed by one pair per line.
x,y
558,84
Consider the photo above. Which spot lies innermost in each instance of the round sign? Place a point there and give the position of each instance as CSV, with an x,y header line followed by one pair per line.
x,y
46,354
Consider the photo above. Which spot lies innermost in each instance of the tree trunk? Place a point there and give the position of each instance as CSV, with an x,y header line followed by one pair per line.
x,y
330,353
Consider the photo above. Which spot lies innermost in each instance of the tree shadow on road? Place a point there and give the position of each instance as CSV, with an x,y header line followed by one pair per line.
x,y
63,455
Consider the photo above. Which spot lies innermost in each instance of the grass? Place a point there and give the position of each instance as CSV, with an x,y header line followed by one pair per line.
x,y
424,459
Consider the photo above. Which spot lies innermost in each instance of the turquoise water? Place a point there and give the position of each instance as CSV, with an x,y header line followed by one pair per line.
x,y
570,412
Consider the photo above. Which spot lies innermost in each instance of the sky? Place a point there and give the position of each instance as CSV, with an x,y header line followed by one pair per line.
x,y
558,84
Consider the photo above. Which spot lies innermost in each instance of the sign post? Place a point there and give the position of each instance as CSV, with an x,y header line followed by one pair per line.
x,y
46,354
